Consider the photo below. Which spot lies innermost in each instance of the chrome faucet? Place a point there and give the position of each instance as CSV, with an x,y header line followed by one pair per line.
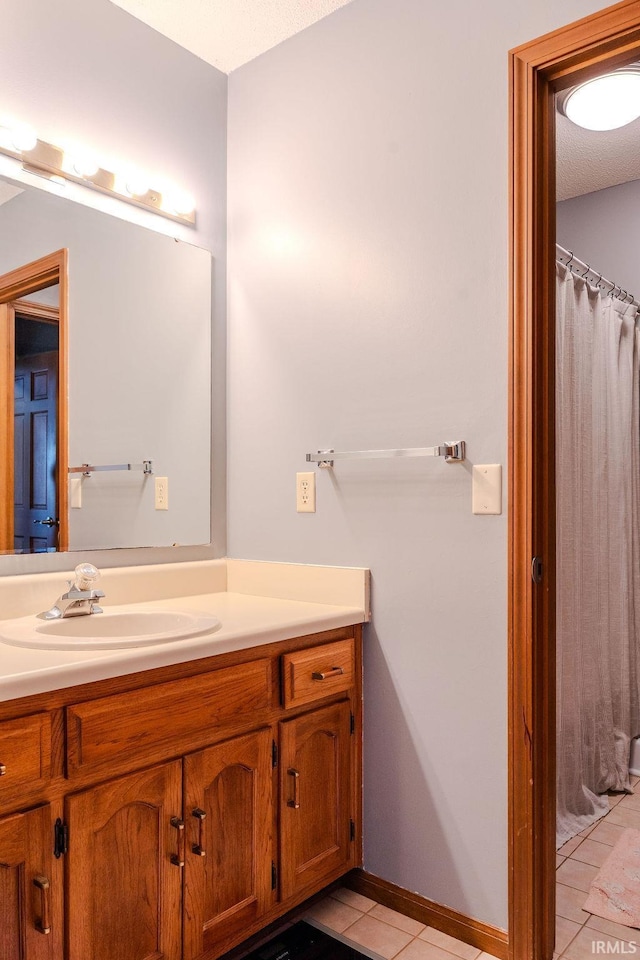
x,y
81,598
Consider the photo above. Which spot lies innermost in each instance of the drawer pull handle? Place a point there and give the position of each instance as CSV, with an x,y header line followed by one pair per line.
x,y
198,848
295,803
333,672
43,925
177,859
3,769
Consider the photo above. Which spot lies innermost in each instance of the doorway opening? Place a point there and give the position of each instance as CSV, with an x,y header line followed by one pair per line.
x,y
539,70
33,407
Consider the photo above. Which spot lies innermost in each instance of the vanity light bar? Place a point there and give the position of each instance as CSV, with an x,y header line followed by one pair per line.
x,y
45,159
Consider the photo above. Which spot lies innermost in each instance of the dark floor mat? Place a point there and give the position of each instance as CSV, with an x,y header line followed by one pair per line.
x,y
304,942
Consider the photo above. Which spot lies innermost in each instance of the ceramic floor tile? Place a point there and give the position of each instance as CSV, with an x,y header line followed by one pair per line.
x,y
631,801
589,943
454,946
559,860
576,874
587,831
590,851
395,919
566,930
334,914
378,936
615,798
423,950
487,956
569,903
612,928
567,848
607,832
355,900
624,817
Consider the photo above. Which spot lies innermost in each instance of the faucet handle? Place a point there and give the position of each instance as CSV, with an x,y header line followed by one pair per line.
x,y
86,576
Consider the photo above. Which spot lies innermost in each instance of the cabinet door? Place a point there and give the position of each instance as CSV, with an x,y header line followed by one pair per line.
x,y
229,814
28,931
123,888
315,791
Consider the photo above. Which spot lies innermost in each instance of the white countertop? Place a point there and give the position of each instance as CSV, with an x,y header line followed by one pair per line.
x,y
247,621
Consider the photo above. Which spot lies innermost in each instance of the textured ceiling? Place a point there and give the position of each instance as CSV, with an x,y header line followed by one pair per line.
x,y
589,160
228,33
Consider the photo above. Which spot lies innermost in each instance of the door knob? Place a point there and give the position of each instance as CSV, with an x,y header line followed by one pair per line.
x,y
49,522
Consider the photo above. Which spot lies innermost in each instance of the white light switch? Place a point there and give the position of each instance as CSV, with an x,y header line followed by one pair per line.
x,y
75,493
487,488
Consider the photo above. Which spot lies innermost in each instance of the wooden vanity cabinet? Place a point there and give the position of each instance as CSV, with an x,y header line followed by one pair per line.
x,y
230,870
200,802
124,867
26,881
316,819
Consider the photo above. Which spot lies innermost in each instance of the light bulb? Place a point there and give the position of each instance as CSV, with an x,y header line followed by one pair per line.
x,y
85,165
23,138
137,184
605,103
180,202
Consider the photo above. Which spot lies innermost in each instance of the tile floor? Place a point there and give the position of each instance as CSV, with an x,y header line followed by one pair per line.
x,y
392,936
386,933
578,861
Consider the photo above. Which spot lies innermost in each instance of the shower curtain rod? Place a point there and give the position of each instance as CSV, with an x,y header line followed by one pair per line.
x,y
585,270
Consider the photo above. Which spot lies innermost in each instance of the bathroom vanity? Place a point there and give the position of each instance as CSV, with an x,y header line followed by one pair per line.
x,y
172,812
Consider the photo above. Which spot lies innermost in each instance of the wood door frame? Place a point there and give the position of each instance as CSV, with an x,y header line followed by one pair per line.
x,y
601,42
19,283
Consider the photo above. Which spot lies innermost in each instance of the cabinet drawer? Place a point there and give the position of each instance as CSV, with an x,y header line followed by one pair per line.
x,y
25,755
319,672
120,732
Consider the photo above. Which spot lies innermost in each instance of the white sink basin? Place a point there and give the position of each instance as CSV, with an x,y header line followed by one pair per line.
x,y
111,630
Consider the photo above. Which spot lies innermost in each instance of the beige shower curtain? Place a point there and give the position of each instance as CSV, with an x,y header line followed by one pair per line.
x,y
598,549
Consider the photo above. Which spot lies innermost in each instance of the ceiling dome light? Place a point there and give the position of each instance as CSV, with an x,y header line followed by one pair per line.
x,y
605,103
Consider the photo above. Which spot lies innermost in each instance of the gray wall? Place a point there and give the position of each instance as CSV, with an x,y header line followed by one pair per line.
x,y
603,229
368,230
90,73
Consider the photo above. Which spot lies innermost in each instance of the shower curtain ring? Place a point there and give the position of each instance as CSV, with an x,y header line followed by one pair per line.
x,y
587,271
570,260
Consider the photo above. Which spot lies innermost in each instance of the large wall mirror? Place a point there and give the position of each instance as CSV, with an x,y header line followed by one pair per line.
x,y
105,356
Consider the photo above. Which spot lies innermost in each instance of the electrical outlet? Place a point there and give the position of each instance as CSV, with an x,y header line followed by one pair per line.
x,y
162,493
306,492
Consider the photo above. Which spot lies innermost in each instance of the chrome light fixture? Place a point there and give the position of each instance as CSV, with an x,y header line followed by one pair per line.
x,y
604,103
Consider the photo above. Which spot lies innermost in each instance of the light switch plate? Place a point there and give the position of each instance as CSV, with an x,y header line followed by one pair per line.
x,y
75,493
487,488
